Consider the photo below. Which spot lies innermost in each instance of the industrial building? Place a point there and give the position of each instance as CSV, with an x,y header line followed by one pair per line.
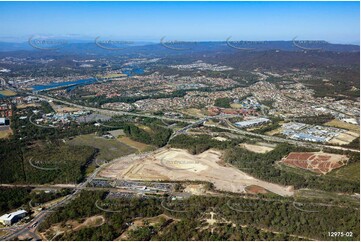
x,y
11,218
4,121
252,122
307,132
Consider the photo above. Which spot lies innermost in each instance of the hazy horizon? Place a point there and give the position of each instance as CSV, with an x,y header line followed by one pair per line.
x,y
80,40
182,21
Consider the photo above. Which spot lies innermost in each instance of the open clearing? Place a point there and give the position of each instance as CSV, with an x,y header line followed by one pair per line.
x,y
7,93
20,106
73,225
179,165
66,109
62,108
236,105
210,123
256,148
343,125
5,133
112,75
109,149
317,162
91,222
344,138
3,232
220,138
253,189
161,219
194,112
274,132
145,128
141,147
117,133
195,189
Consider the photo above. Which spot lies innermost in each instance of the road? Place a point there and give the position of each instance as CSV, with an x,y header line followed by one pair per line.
x,y
283,140
184,130
31,227
194,123
113,112
38,125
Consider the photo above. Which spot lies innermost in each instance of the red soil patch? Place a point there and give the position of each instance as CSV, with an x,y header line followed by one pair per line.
x,y
317,162
254,189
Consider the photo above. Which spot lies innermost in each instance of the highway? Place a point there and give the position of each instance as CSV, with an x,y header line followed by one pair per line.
x,y
283,140
113,112
31,227
194,123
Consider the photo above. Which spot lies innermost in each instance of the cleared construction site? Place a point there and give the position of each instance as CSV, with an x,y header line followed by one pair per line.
x,y
179,165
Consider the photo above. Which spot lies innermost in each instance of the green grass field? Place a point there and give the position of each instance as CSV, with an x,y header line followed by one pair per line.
x,y
109,149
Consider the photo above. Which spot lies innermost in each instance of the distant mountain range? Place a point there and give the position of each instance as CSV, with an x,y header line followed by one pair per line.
x,y
166,46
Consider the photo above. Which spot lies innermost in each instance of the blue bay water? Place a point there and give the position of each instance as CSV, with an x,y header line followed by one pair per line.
x,y
73,84
64,84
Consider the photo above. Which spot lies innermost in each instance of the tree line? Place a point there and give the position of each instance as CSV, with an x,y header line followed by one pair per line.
x,y
266,219
263,166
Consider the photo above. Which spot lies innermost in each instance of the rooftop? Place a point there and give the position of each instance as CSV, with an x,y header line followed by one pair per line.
x,y
10,216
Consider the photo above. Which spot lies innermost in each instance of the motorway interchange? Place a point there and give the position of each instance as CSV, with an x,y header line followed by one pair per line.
x,y
195,123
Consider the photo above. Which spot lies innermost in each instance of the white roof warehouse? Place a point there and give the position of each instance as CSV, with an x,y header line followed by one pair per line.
x,y
10,218
252,122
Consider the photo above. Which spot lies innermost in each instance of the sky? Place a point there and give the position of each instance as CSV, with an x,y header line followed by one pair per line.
x,y
336,22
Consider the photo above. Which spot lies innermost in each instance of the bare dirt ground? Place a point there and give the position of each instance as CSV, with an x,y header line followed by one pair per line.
x,y
141,222
256,148
62,108
344,138
220,138
3,232
318,162
179,165
20,106
72,225
5,133
256,190
94,221
236,105
7,93
195,189
194,112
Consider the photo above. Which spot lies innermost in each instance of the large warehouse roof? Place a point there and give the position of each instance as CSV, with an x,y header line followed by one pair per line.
x,y
252,122
10,216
